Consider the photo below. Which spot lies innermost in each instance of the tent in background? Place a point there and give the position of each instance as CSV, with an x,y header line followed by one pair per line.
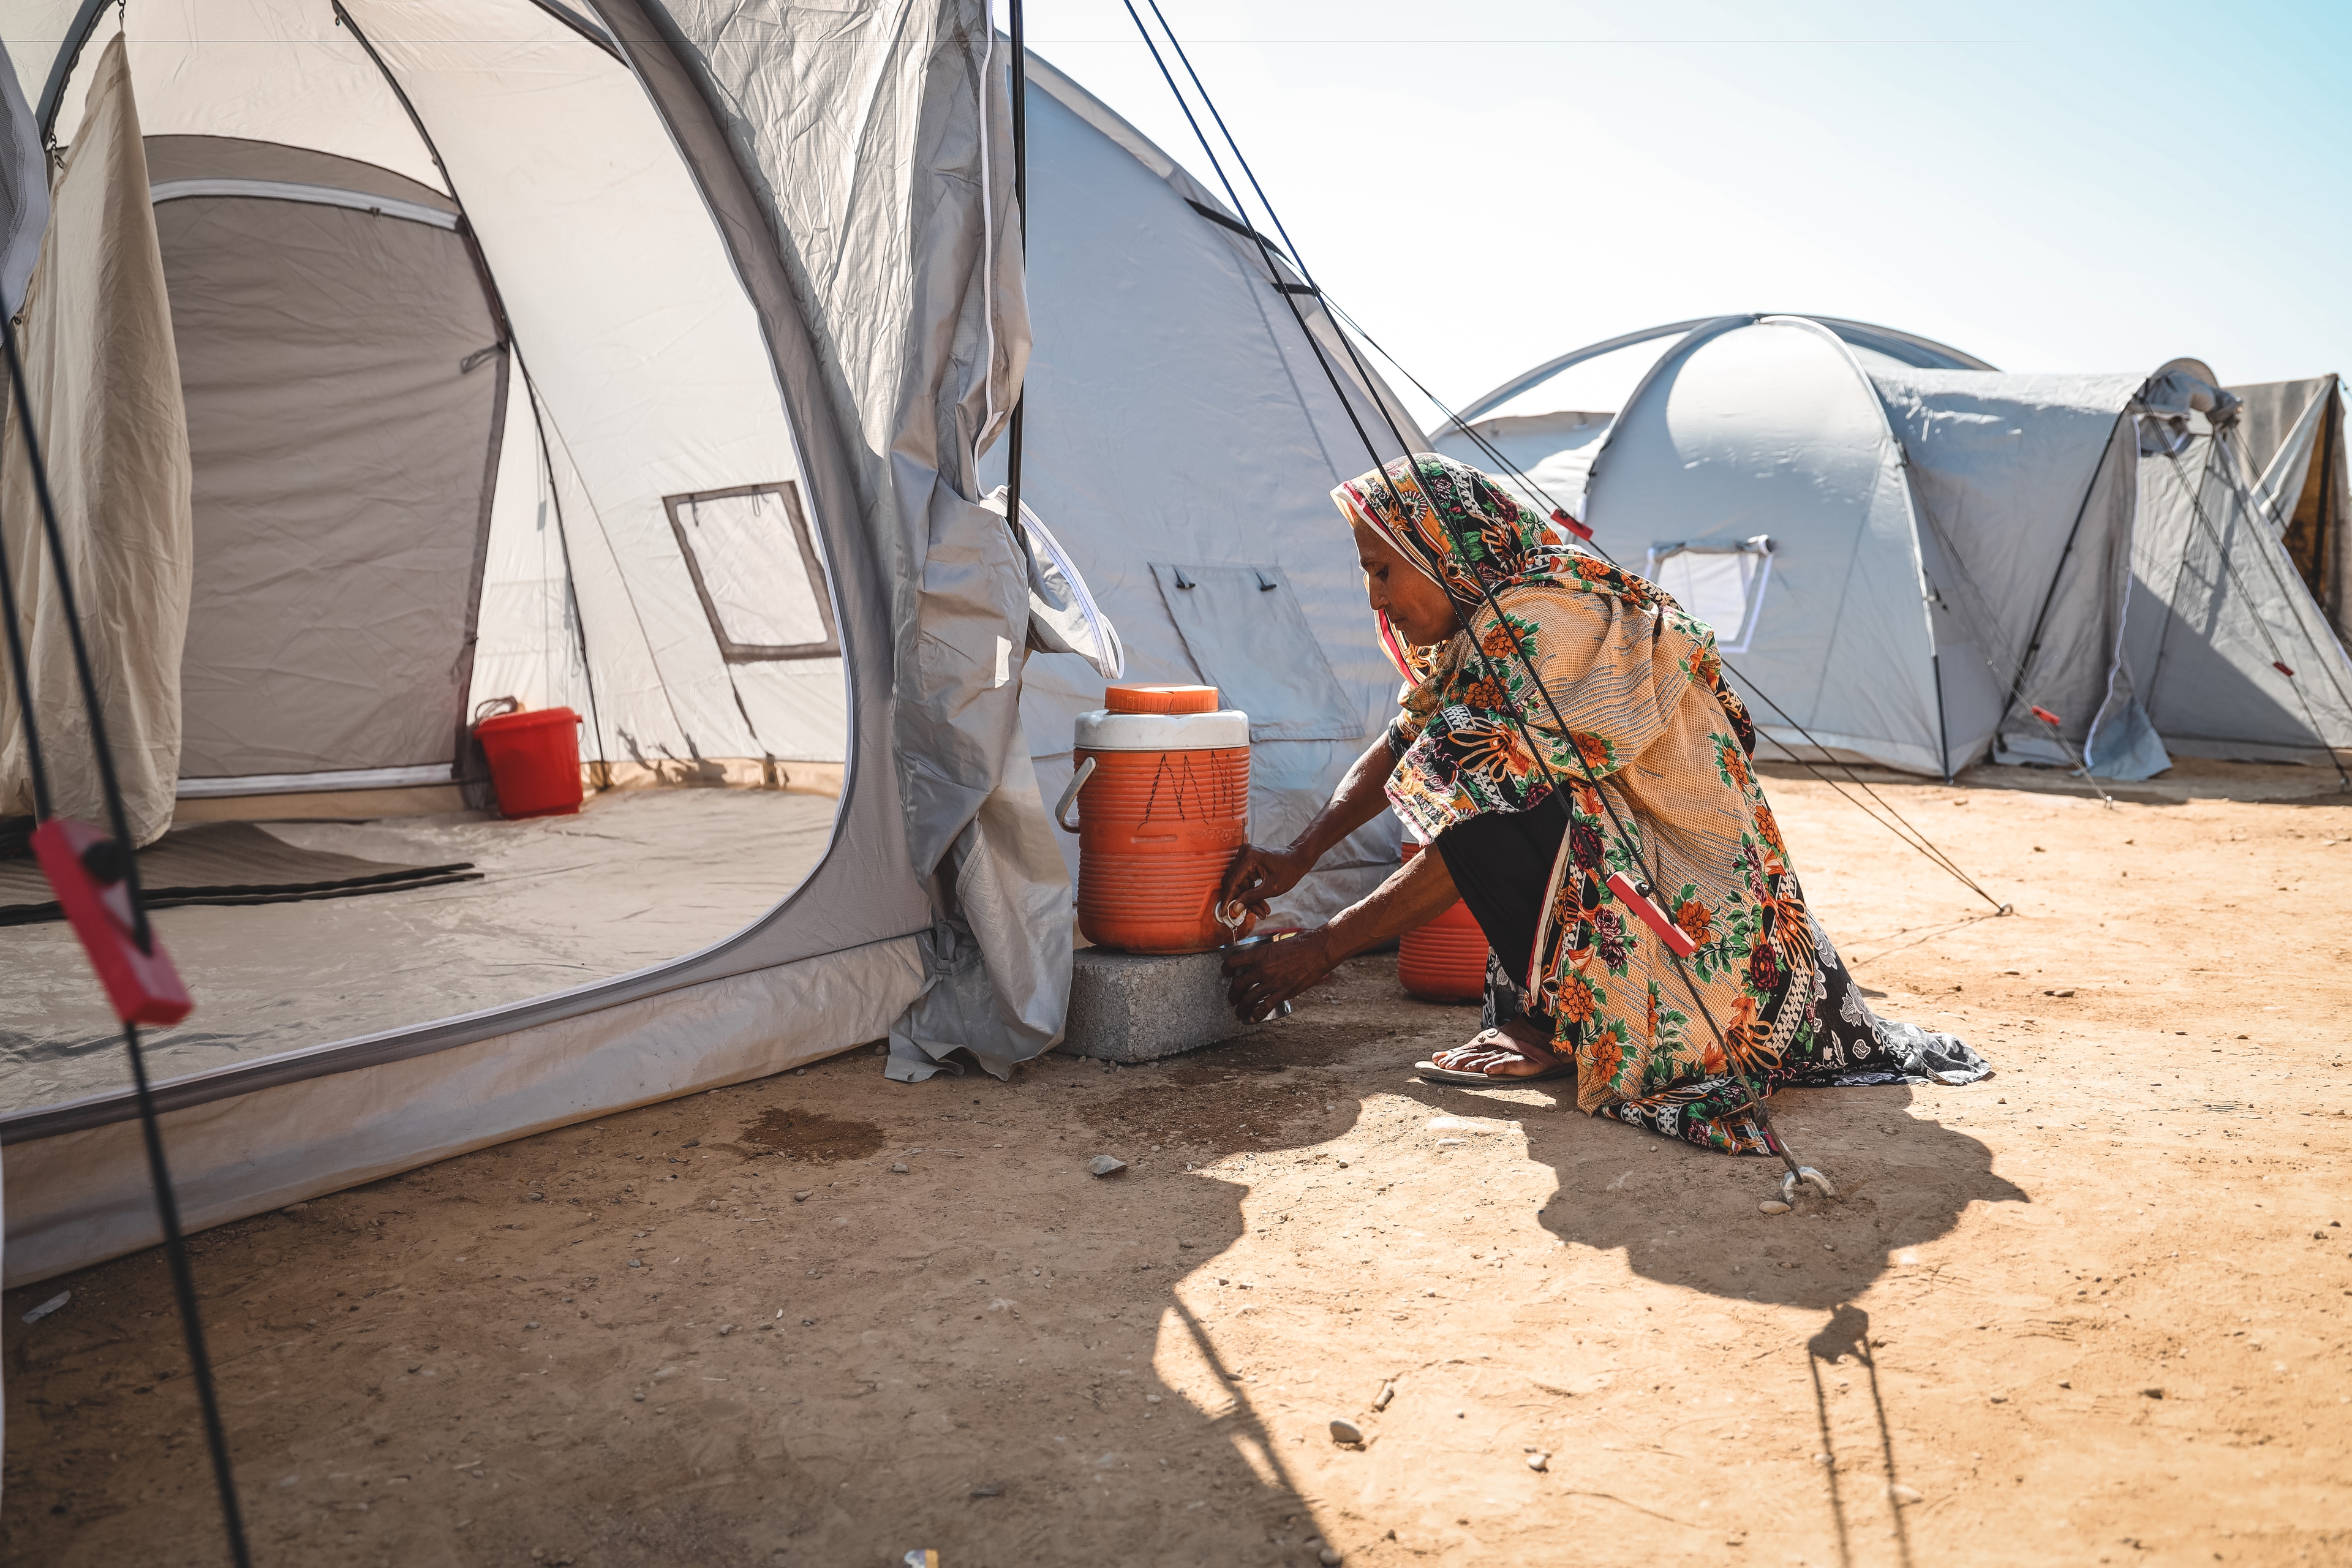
x,y
716,257
1181,443
1905,552
2290,437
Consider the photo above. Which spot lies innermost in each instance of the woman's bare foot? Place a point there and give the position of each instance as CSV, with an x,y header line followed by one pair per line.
x,y
1514,1050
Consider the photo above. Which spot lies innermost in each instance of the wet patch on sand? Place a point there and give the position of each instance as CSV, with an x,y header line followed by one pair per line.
x,y
813,1136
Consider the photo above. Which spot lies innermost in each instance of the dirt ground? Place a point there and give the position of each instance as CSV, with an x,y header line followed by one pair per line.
x,y
2093,1309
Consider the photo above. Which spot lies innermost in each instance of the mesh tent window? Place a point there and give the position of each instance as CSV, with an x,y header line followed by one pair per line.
x,y
755,569
1722,585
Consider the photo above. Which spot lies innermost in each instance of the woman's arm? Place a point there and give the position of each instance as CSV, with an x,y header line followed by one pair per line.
x,y
1270,974
1258,874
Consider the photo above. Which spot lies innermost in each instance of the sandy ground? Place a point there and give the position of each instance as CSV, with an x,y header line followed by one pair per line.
x,y
2093,1309
638,878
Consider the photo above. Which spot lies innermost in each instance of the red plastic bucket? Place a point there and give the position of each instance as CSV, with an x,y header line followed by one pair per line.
x,y
1444,961
534,760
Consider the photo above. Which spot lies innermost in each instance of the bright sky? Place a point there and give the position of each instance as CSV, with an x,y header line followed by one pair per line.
x,y
2087,187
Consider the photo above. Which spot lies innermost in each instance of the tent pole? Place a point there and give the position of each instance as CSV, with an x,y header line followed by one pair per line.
x,y
1943,735
1021,205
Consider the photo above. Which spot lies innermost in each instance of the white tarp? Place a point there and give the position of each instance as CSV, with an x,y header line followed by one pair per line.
x,y
105,393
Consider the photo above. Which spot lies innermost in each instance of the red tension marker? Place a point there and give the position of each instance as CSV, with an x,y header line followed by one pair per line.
x,y
1635,896
2047,717
2283,669
144,986
1559,515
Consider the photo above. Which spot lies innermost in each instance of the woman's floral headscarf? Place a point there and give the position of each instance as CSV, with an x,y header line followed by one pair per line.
x,y
1453,525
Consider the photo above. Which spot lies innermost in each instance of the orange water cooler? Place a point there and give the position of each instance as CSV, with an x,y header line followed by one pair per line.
x,y
1162,785
1444,961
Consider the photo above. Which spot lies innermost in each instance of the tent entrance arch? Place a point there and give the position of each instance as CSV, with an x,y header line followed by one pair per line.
x,y
634,295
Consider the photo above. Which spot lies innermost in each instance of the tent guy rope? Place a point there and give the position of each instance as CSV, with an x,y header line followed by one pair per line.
x,y
1798,1174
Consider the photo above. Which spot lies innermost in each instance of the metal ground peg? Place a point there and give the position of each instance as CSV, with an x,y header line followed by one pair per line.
x,y
1792,1185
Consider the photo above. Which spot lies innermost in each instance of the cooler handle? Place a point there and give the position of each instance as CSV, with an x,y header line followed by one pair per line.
x,y
1077,782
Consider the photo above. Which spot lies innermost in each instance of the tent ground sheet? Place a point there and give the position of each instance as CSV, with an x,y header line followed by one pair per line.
x,y
638,878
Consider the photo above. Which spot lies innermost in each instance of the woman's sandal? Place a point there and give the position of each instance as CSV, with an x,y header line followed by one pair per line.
x,y
1504,1048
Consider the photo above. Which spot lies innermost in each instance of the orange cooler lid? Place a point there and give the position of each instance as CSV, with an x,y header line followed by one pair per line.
x,y
1160,699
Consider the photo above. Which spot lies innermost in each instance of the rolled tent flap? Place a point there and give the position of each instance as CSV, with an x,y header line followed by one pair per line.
x,y
104,378
897,229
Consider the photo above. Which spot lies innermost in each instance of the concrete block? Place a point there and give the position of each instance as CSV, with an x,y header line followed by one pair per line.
x,y
1142,1006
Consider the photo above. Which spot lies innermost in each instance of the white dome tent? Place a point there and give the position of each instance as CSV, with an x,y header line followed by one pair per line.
x,y
730,584
745,292
1905,552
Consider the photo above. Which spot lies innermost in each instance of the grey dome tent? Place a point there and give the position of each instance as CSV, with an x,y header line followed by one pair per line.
x,y
681,259
1181,442
1910,552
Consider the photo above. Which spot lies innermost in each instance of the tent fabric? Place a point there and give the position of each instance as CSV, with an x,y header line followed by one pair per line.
x,y
104,386
82,1194
24,188
2026,490
2290,434
2235,657
1770,427
1181,423
345,387
925,232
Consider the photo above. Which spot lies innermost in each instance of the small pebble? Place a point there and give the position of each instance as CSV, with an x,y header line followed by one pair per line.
x,y
1902,1494
532,1324
988,1491
634,1264
1345,1431
898,1167
725,1330
2152,1393
1771,1205
1539,1461
1821,1458
2066,991
1104,1165
1329,1557
2000,1399
294,1208
638,1397
1387,1393
803,1194
536,1197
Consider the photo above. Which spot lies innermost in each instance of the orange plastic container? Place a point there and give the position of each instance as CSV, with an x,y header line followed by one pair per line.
x,y
1160,815
1444,961
534,760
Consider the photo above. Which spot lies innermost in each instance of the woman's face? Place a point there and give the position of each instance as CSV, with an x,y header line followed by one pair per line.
x,y
1417,607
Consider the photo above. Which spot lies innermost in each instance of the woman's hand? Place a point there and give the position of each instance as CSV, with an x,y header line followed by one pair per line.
x,y
1267,975
1258,875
